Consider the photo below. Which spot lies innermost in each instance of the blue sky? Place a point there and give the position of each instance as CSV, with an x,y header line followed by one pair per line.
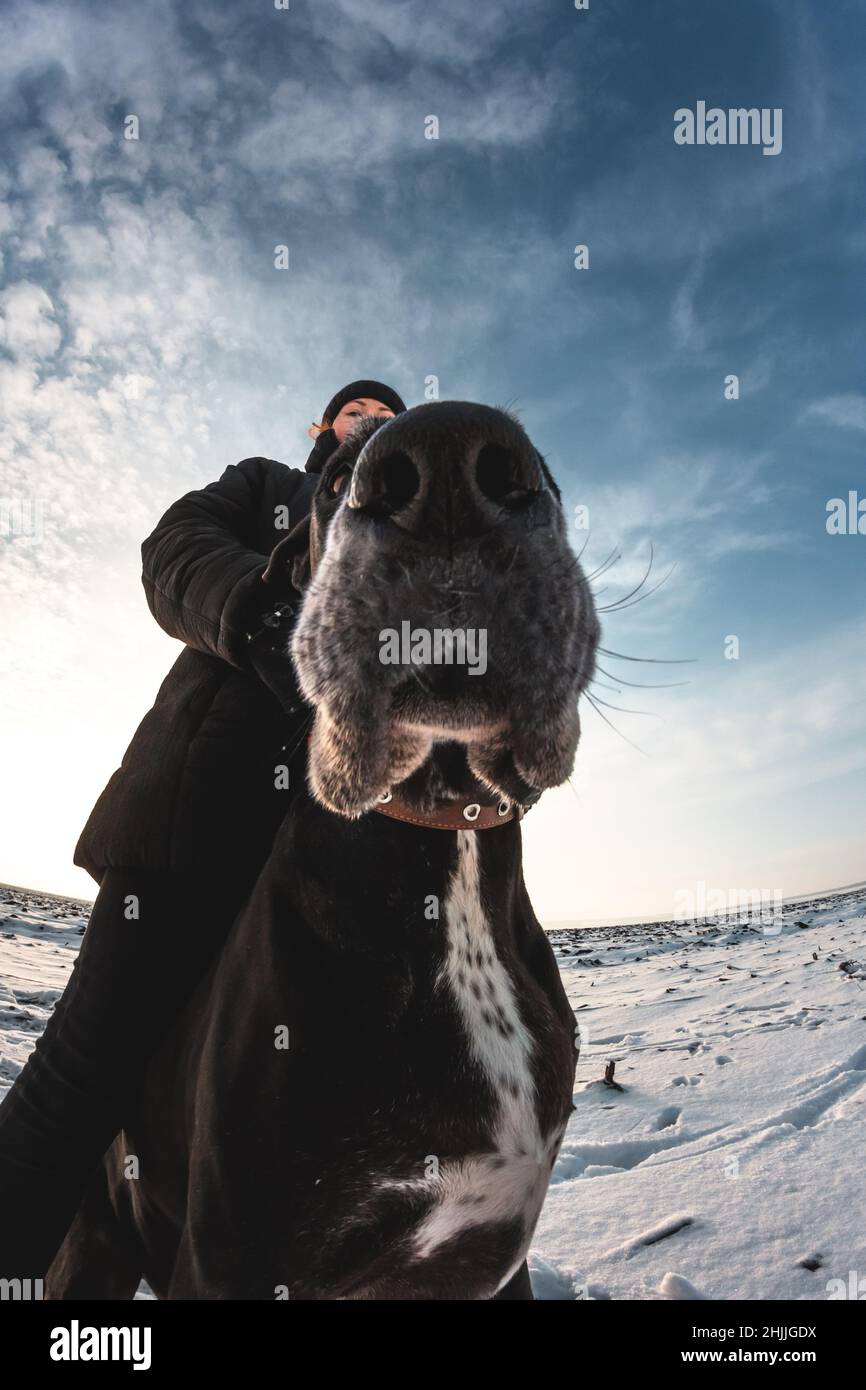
x,y
147,341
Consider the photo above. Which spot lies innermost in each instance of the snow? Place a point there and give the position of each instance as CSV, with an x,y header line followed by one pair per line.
x,y
735,1152
726,1162
39,939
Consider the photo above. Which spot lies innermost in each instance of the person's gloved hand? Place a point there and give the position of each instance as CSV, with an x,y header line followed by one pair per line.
x,y
274,609
325,444
271,659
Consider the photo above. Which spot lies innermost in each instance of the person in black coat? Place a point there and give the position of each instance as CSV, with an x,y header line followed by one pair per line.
x,y
178,836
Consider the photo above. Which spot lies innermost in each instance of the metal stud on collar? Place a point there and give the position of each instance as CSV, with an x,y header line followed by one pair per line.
x,y
503,808
385,797
472,811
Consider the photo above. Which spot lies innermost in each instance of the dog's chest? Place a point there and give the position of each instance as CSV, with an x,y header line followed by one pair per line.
x,y
498,1043
507,1181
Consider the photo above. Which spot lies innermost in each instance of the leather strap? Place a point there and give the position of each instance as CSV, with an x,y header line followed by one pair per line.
x,y
452,815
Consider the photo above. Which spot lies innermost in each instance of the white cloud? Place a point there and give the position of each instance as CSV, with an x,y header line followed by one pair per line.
x,y
848,412
692,509
689,332
27,324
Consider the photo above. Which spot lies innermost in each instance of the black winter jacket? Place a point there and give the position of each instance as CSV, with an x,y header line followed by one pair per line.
x,y
197,787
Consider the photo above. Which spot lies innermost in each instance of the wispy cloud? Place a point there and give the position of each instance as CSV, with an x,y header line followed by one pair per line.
x,y
737,772
848,411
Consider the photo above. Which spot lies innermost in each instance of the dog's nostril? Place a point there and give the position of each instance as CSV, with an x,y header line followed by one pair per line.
x,y
387,486
504,477
400,478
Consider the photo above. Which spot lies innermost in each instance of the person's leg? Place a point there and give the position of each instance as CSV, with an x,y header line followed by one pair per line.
x,y
150,939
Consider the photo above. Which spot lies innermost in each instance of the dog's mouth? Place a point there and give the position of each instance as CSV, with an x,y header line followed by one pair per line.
x,y
449,703
507,689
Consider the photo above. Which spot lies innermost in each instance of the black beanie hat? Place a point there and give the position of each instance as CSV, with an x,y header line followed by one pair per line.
x,y
374,390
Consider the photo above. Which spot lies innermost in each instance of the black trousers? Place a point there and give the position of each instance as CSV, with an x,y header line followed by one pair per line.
x,y
151,937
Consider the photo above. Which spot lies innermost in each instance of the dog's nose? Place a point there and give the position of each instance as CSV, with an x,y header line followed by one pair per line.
x,y
446,471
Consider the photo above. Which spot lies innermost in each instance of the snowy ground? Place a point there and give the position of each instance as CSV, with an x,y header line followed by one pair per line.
x,y
39,940
730,1165
734,1156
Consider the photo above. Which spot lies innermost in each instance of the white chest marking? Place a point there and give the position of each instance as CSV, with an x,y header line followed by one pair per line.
x,y
498,1040
512,1180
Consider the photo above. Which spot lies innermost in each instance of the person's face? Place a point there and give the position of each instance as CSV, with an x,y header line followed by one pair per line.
x,y
352,412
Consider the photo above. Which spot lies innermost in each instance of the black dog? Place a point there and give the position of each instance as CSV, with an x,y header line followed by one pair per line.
x,y
366,1096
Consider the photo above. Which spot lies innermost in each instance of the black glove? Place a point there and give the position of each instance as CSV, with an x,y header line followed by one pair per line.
x,y
274,607
324,447
271,659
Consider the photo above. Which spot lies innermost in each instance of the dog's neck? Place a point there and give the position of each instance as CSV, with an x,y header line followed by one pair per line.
x,y
445,776
382,876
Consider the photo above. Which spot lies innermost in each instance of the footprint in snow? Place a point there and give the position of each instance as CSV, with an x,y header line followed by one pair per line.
x,y
550,1283
667,1117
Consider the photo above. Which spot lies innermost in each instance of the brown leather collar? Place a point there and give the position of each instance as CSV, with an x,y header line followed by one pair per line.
x,y
452,815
